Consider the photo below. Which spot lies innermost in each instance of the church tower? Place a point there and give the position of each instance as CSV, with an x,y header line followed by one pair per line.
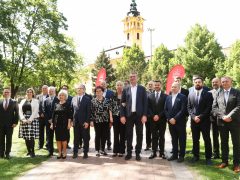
x,y
133,26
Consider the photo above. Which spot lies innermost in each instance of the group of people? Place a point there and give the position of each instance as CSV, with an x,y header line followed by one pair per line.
x,y
131,105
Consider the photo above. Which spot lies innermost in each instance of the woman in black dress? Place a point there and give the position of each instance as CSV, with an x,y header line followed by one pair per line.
x,y
62,116
101,119
29,124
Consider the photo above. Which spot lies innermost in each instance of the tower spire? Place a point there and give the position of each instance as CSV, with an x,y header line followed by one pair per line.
x,y
133,9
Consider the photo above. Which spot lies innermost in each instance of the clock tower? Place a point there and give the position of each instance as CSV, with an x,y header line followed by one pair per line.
x,y
133,26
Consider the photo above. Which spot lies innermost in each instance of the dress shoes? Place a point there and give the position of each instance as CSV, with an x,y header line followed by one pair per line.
x,y
75,155
138,157
32,155
103,153
120,155
162,156
172,158
114,155
97,153
180,159
208,162
236,169
7,156
152,156
85,156
222,165
80,147
194,159
128,157
109,148
147,148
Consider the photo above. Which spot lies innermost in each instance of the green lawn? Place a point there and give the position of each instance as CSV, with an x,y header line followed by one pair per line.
x,y
20,163
210,172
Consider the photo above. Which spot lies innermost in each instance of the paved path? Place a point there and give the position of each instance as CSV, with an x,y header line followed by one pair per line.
x,y
108,168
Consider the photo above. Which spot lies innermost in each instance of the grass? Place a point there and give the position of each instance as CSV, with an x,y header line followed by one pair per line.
x,y
210,172
19,162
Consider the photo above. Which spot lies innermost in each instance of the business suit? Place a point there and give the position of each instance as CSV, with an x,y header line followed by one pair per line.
x,y
42,121
81,114
203,110
134,118
178,131
109,95
230,109
48,112
215,131
158,128
8,117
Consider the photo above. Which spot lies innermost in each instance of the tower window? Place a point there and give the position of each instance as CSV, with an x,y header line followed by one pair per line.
x,y
137,36
127,36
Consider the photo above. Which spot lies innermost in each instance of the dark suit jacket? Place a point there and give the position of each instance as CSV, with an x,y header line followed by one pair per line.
x,y
109,94
184,91
10,116
49,107
231,109
157,108
41,103
141,102
82,111
179,109
203,109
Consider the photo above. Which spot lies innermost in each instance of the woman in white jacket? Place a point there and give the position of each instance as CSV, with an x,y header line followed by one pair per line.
x,y
29,125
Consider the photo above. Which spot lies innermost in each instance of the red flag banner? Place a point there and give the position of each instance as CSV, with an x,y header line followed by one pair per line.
x,y
177,70
101,76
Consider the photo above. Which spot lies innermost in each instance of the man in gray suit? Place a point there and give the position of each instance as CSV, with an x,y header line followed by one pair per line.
x,y
226,107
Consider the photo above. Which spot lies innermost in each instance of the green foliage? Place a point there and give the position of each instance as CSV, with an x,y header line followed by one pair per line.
x,y
103,61
133,60
201,54
26,26
232,64
159,66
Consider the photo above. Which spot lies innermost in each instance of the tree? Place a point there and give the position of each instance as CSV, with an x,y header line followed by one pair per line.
x,y
232,64
201,54
133,60
103,61
24,26
160,64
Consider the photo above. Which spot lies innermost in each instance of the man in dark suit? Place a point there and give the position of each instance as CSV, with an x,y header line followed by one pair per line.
x,y
199,108
156,102
69,101
107,94
182,90
226,107
49,104
215,132
133,111
150,90
8,120
42,120
81,106
175,111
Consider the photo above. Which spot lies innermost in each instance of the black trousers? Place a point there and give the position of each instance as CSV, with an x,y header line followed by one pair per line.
x,y
196,130
42,125
148,133
5,134
235,135
101,130
78,131
131,121
119,130
109,143
30,144
50,136
215,135
178,134
158,129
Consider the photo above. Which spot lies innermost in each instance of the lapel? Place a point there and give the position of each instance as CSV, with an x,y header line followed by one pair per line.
x,y
130,95
202,96
229,97
221,98
137,95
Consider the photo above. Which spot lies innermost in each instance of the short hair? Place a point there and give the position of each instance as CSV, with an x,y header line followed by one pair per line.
x,y
198,78
82,86
45,86
64,86
33,92
119,82
133,72
158,81
177,84
98,87
51,88
226,77
8,88
64,92
195,77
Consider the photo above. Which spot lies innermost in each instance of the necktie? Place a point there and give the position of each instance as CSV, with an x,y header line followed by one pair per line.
x,y
157,97
197,98
6,104
79,101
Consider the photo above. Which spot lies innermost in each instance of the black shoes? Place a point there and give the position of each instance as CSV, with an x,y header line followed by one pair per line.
x,y
109,148
85,156
180,159
114,155
75,155
162,156
172,158
80,147
103,153
147,148
120,155
152,156
7,156
128,157
138,157
97,153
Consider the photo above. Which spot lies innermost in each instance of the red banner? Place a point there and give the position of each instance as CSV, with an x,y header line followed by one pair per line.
x,y
101,76
176,71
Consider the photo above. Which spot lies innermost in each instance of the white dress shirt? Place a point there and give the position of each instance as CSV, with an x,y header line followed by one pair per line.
x,y
226,95
134,97
6,100
174,98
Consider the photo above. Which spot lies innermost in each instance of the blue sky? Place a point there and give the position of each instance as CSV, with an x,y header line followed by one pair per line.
x,y
96,25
